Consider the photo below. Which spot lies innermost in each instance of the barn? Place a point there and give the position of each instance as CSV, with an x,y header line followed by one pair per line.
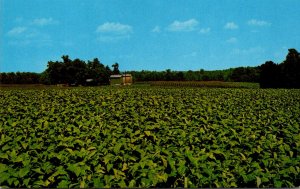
x,y
118,79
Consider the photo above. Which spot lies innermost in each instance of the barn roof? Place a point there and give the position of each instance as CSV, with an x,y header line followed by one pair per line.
x,y
115,76
119,75
126,75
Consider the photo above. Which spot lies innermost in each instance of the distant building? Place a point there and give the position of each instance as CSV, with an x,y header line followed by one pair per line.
x,y
89,82
125,79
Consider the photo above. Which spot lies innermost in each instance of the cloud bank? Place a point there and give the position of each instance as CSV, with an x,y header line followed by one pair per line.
x,y
231,26
188,25
43,21
112,27
16,31
254,22
113,32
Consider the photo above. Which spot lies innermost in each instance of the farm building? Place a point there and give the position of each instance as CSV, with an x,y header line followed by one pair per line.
x,y
125,79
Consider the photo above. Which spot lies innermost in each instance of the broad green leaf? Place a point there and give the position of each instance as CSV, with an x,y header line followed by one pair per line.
x,y
109,166
3,168
258,182
98,183
23,172
147,133
82,184
75,169
63,184
243,157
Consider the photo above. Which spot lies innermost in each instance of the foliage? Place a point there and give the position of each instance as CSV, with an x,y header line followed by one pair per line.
x,y
19,78
240,74
116,68
149,137
245,74
76,72
284,75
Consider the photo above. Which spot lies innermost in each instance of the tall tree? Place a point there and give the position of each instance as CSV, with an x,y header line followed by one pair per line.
x,y
290,69
284,75
116,68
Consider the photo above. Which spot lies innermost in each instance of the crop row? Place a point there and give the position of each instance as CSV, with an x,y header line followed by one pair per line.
x,y
204,84
149,137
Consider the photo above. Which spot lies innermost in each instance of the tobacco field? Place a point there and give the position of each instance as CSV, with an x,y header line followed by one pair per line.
x,y
149,137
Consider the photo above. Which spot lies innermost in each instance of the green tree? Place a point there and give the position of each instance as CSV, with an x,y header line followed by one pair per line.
x,y
284,75
290,69
116,68
98,72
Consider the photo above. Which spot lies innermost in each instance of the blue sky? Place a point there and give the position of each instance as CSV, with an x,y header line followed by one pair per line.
x,y
147,34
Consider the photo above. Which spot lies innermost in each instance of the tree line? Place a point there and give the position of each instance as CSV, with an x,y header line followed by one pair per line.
x,y
20,78
93,72
283,75
67,71
240,74
79,72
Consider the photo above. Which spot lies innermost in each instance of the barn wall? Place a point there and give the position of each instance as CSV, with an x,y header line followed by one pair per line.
x,y
127,80
116,81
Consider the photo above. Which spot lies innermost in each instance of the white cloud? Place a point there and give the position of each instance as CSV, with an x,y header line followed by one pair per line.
x,y
111,27
27,33
156,29
249,51
204,30
21,36
232,40
113,32
16,31
188,25
254,22
231,26
43,21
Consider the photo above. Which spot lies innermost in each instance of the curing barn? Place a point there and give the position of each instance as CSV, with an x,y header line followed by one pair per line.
x,y
124,79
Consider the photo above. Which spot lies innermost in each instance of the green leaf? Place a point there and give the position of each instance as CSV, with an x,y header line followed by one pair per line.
x,y
162,177
70,151
258,182
23,172
165,163
243,157
26,182
38,183
147,133
98,183
24,144
185,182
3,168
82,184
3,156
181,169
109,166
278,184
75,169
4,177
146,182
117,148
132,184
63,184
91,148
122,184
38,170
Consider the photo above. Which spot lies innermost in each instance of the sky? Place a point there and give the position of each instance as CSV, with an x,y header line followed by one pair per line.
x,y
147,34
